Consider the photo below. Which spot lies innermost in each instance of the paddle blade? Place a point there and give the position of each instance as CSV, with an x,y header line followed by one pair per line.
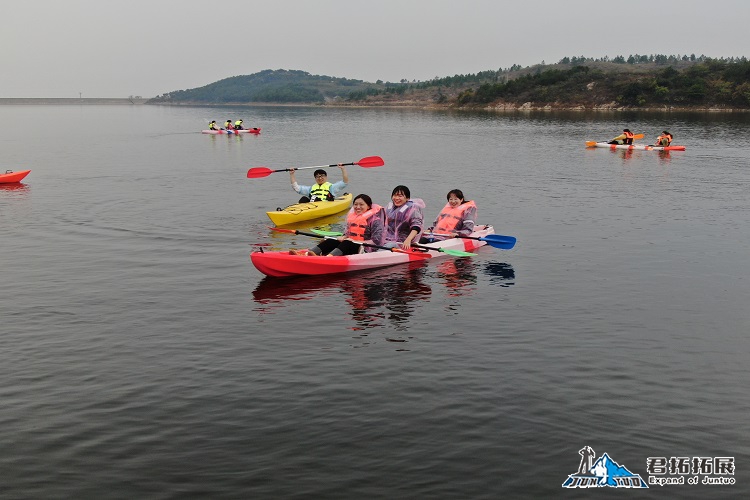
x,y
371,161
257,172
499,241
455,253
282,230
590,144
638,136
326,233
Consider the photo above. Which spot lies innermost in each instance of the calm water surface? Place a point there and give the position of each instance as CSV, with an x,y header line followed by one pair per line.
x,y
143,356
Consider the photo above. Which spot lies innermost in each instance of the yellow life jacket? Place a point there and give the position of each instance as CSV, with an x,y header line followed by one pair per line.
x,y
357,224
450,217
321,192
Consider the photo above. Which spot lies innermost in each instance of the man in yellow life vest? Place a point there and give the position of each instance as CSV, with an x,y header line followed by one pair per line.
x,y
238,125
665,139
212,125
625,138
322,189
228,124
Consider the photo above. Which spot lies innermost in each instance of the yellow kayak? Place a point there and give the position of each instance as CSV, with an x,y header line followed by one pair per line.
x,y
301,212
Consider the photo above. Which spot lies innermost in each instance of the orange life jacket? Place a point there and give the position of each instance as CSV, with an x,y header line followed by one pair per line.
x,y
356,225
629,135
451,217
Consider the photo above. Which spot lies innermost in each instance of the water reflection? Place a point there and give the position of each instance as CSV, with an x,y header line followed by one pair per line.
x,y
376,299
500,273
18,187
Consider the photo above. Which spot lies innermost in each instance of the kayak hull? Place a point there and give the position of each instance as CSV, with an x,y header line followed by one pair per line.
x,y
643,147
11,177
282,264
232,132
301,212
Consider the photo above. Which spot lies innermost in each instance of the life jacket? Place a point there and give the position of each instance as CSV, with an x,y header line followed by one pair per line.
x,y
212,126
451,217
228,125
629,135
321,192
356,225
238,124
398,221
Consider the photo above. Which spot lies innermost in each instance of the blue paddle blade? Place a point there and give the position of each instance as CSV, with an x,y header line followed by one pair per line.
x,y
499,241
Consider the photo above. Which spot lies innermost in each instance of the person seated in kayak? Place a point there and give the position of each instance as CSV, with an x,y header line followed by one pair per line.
x,y
665,139
455,219
364,224
228,125
322,189
238,125
625,138
212,125
403,219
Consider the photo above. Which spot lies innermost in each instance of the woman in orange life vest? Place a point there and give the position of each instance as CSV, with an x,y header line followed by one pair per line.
x,y
665,139
625,138
456,218
364,224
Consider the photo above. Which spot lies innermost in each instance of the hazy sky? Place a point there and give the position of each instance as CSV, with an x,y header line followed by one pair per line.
x,y
98,48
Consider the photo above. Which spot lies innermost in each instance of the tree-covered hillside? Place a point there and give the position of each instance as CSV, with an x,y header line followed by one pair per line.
x,y
637,81
270,86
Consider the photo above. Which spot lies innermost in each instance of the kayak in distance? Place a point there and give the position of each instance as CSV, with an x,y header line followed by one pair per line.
x,y
255,131
284,264
301,212
643,147
10,177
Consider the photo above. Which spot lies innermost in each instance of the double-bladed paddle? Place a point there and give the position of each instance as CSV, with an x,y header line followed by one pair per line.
x,y
367,162
331,234
448,251
590,144
493,240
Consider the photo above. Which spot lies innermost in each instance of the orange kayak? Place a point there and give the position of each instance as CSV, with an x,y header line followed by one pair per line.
x,y
9,177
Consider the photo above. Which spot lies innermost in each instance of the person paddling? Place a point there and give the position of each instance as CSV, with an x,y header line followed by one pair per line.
x,y
625,138
322,190
456,218
228,124
665,139
212,125
364,224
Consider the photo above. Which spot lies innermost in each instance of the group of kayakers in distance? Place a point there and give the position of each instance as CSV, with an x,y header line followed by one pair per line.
x,y
228,125
398,225
665,139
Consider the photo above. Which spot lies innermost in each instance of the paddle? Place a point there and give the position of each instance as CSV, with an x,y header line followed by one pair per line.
x,y
295,231
493,240
455,253
367,162
593,143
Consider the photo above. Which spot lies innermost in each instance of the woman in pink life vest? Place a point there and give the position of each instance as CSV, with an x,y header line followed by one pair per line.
x,y
364,224
457,218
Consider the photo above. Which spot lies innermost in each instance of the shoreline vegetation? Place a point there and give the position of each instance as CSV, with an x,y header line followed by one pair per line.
x,y
637,83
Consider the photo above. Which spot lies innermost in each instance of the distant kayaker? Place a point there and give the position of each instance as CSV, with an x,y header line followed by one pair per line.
x,y
238,125
665,139
228,125
212,125
456,218
625,138
322,189
364,224
403,219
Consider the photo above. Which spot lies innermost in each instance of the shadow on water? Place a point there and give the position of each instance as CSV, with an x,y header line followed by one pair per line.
x,y
500,273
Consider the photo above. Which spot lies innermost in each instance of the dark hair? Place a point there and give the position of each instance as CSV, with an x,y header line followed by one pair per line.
x,y
403,190
320,171
664,132
626,130
458,193
364,198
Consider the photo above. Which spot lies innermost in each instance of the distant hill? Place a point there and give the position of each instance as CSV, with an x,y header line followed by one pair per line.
x,y
573,83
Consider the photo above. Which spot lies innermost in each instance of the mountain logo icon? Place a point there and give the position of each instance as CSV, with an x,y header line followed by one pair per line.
x,y
602,472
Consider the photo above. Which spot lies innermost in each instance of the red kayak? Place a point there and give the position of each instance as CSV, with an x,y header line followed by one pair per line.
x,y
255,131
10,177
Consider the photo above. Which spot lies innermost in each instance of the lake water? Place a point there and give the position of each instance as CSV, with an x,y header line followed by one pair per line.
x,y
143,356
